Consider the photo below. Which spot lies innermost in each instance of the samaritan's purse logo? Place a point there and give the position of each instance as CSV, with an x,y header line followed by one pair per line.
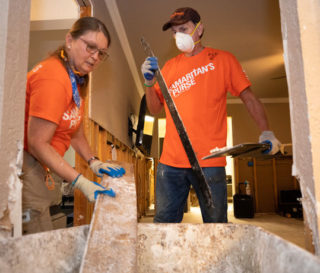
x,y
185,82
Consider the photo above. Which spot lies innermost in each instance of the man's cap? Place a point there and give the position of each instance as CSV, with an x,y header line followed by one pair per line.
x,y
181,16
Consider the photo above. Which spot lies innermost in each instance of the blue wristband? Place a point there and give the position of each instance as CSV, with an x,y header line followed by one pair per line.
x,y
76,179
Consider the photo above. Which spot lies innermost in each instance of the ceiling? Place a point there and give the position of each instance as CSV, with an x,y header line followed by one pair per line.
x,y
249,29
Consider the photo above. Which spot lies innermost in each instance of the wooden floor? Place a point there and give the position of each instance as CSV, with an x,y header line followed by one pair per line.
x,y
290,229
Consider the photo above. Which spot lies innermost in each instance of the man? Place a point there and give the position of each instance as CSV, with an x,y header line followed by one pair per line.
x,y
198,80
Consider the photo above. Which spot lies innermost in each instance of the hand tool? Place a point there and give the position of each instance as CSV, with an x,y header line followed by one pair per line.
x,y
244,149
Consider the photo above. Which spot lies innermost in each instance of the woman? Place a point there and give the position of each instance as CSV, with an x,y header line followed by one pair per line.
x,y
53,121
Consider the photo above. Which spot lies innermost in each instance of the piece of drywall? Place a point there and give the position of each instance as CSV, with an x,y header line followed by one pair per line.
x,y
301,41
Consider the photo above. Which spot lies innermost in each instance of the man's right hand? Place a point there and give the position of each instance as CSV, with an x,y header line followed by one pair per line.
x,y
269,137
149,68
91,189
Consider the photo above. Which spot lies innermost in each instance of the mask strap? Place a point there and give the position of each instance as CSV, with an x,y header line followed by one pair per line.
x,y
195,29
194,32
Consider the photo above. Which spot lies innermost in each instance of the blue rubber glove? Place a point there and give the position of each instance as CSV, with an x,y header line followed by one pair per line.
x,y
91,189
269,138
149,68
100,168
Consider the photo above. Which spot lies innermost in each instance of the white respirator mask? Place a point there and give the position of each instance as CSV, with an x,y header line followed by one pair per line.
x,y
185,42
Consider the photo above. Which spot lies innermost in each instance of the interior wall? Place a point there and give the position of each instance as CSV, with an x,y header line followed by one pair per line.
x,y
245,130
42,42
113,93
14,39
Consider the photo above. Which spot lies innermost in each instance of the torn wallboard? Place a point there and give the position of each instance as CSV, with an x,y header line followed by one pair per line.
x,y
113,229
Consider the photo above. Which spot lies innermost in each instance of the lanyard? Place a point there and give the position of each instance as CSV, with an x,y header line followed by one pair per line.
x,y
75,92
49,180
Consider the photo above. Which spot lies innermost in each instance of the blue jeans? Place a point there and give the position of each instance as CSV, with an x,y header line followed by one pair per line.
x,y
172,189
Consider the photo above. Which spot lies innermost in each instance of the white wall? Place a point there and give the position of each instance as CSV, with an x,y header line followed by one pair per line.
x,y
53,10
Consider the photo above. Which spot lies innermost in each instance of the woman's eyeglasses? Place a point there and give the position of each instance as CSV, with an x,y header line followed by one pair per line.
x,y
92,49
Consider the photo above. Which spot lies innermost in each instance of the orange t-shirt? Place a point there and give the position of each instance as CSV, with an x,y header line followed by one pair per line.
x,y
49,96
198,86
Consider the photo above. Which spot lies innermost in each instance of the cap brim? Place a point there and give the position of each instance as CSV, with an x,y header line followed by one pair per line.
x,y
176,22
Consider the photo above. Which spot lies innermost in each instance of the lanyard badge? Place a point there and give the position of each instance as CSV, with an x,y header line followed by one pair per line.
x,y
75,91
